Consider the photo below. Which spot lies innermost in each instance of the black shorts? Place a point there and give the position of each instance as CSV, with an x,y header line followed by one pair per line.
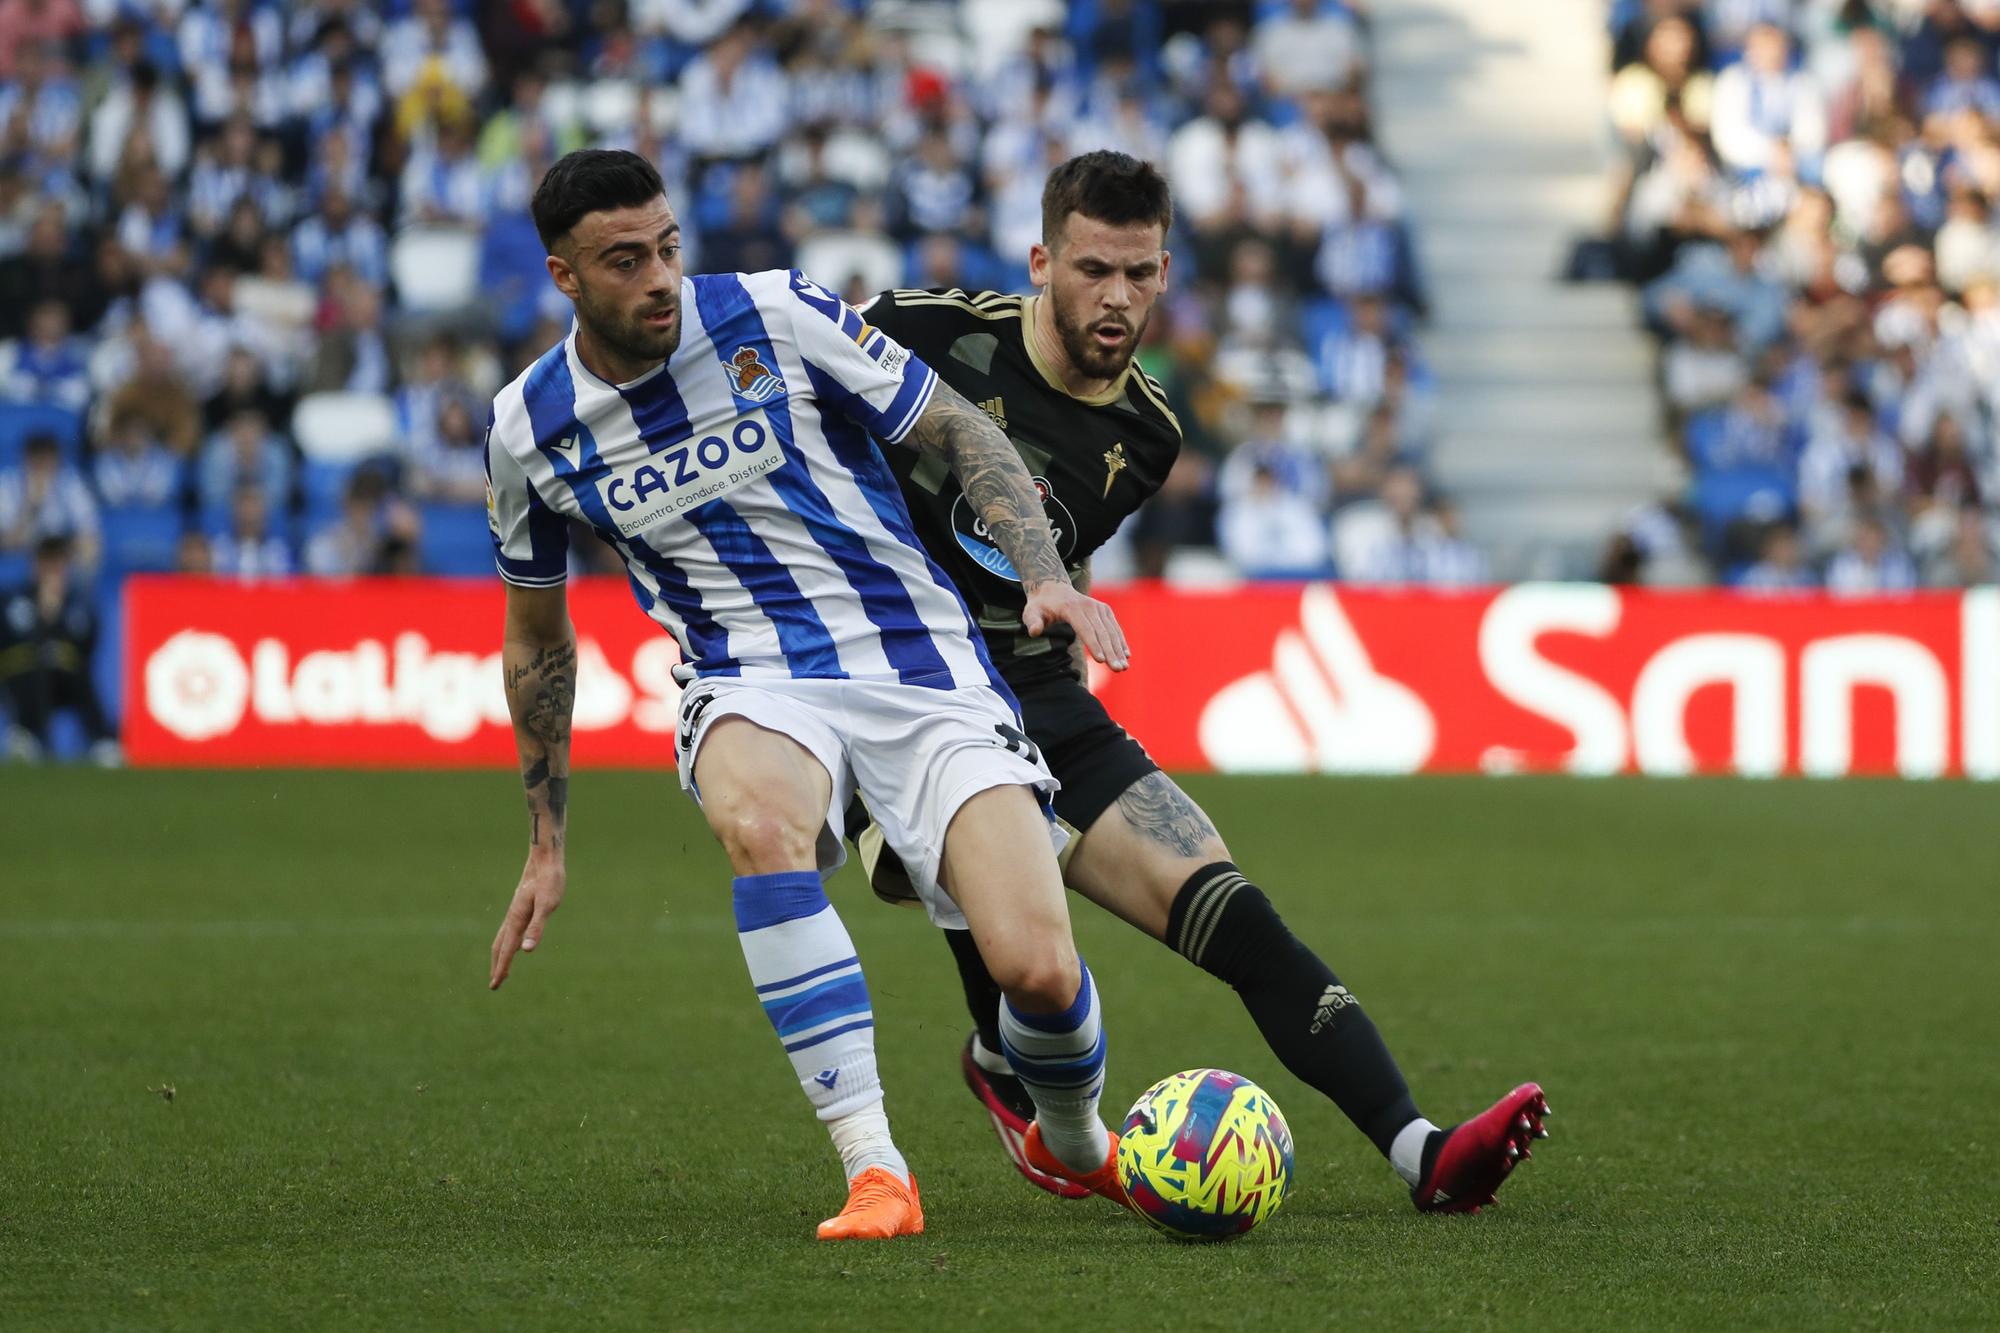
x,y
1091,755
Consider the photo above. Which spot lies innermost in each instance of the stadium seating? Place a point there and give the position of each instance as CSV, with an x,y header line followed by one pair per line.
x,y
435,269
20,421
455,540
341,427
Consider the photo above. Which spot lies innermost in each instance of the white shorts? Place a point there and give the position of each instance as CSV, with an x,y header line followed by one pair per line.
x,y
915,754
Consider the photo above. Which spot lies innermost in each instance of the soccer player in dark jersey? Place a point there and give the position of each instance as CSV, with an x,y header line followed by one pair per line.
x,y
1055,371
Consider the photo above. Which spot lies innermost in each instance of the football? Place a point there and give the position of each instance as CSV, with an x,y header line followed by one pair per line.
x,y
1205,1155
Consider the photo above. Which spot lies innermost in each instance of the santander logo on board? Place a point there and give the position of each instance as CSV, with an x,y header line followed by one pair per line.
x,y
1324,705
1321,707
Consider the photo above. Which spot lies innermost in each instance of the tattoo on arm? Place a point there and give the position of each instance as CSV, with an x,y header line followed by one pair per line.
x,y
541,692
995,479
1163,813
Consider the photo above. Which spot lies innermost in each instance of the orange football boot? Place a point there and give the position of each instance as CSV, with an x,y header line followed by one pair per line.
x,y
879,1206
1103,1181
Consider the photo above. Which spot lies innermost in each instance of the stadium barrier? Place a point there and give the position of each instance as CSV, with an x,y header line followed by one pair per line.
x,y
1573,678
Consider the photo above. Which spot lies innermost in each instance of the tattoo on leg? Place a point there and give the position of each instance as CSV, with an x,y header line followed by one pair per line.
x,y
1162,812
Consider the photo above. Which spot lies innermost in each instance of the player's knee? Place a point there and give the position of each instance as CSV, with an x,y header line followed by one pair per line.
x,y
760,842
1043,982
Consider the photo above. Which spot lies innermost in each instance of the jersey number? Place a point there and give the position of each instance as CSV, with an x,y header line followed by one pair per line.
x,y
1014,739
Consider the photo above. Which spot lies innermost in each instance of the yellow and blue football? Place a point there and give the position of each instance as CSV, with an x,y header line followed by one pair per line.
x,y
1205,1155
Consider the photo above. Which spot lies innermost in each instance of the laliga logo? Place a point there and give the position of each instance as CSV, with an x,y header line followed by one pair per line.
x,y
200,686
1322,705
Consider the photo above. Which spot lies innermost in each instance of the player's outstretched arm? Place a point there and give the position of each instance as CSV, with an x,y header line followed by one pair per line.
x,y
538,660
997,483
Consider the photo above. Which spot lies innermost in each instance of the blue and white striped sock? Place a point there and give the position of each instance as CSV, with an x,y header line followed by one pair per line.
x,y
1059,1059
809,980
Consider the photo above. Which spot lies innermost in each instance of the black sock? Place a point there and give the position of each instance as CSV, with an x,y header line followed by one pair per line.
x,y
982,993
1224,923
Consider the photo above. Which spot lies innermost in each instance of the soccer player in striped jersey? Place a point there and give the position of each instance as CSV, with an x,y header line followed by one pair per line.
x,y
1056,371
715,431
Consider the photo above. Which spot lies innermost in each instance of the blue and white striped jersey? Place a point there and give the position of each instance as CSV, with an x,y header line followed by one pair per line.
x,y
739,481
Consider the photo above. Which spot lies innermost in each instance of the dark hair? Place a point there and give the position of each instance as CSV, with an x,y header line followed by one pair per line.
x,y
1109,187
587,181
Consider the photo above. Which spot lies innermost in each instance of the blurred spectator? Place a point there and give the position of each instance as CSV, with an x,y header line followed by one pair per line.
x,y
1222,155
250,550
353,355
139,109
47,366
47,498
1847,440
1781,567
443,182
244,386
1762,103
359,540
1871,562
933,191
749,238
48,634
1305,47
192,553
733,98
452,466
435,382
45,270
1970,559
1450,560
336,235
432,42
1271,531
155,392
244,454
30,24
1296,469
134,469
1389,540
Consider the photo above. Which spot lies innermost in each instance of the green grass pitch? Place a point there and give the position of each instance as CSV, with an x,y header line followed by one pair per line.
x,y
1765,1015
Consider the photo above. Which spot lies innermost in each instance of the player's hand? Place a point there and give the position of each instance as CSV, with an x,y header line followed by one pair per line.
x,y
1096,628
540,893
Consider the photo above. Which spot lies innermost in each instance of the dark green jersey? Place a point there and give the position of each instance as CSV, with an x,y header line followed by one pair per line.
x,y
1093,459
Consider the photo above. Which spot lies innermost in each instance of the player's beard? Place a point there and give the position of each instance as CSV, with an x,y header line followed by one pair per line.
x,y
626,333
1081,347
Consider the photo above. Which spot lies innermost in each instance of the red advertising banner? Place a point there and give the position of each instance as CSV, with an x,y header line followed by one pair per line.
x,y
1264,678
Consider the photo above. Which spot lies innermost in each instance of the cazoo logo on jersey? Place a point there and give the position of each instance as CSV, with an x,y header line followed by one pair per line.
x,y
640,493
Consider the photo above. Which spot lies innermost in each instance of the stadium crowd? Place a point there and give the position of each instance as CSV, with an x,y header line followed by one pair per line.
x,y
1808,191
262,266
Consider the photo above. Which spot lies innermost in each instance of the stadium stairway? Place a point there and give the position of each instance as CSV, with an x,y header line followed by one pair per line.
x,y
1494,116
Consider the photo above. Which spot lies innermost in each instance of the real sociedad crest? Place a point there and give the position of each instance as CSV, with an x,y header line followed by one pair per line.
x,y
754,380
